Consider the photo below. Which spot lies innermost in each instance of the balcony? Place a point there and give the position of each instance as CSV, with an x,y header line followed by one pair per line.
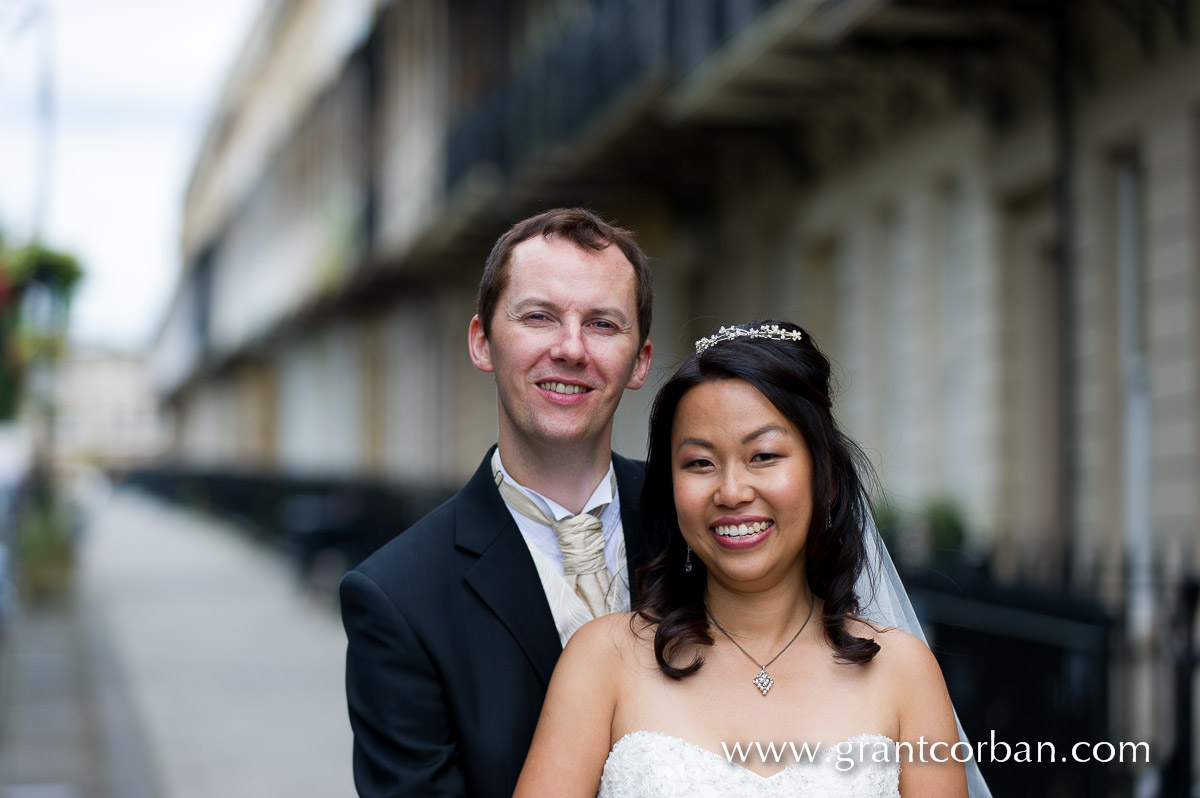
x,y
591,82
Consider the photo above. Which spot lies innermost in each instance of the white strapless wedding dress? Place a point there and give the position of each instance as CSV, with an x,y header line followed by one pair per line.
x,y
654,765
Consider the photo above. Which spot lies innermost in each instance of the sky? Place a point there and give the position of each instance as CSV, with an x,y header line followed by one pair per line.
x,y
135,83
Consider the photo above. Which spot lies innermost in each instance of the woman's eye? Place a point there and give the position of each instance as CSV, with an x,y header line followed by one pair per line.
x,y
697,462
763,457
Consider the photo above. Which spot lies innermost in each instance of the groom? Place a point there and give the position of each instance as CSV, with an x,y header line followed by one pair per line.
x,y
455,625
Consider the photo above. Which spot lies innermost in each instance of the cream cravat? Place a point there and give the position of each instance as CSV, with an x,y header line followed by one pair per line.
x,y
581,539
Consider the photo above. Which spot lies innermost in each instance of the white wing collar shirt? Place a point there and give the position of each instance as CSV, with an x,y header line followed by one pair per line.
x,y
570,611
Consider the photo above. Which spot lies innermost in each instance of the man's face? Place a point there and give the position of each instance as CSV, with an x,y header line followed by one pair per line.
x,y
563,344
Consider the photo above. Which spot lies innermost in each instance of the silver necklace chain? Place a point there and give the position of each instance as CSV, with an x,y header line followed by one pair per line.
x,y
763,680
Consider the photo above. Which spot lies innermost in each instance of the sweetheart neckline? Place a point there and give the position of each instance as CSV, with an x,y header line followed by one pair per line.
x,y
728,760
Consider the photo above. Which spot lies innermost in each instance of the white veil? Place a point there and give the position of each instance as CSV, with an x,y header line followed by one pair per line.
x,y
885,603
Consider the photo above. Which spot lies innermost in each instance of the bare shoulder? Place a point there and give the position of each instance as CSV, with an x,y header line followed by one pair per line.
x,y
903,660
574,731
910,683
591,670
901,654
606,642
905,648
910,674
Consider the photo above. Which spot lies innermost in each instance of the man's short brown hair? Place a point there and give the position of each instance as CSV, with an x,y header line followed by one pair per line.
x,y
582,228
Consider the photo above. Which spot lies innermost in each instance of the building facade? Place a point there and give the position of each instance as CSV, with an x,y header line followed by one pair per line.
x,y
105,411
987,213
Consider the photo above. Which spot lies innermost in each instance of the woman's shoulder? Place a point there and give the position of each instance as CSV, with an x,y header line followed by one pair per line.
x,y
609,639
904,661
897,648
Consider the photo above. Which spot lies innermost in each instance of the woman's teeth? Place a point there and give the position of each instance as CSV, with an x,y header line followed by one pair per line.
x,y
559,387
741,530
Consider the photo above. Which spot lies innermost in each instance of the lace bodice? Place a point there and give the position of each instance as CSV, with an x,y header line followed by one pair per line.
x,y
654,765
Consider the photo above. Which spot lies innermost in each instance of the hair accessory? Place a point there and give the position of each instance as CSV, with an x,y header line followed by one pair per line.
x,y
771,331
687,564
763,680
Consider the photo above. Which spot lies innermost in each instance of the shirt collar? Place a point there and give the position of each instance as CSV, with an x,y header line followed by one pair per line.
x,y
601,496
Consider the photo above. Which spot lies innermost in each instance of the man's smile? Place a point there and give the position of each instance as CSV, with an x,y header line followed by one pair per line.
x,y
563,388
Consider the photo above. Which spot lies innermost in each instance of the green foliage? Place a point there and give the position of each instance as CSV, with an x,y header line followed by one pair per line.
x,y
934,530
947,527
20,342
888,520
44,547
58,271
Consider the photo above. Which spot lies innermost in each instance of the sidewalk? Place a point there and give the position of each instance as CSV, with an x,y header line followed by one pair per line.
x,y
50,741
187,665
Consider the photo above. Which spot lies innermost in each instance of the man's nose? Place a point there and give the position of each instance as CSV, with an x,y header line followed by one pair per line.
x,y
569,345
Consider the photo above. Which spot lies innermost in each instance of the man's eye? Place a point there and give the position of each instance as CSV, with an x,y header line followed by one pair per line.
x,y
604,325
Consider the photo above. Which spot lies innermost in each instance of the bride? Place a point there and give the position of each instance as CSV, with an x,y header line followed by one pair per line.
x,y
748,667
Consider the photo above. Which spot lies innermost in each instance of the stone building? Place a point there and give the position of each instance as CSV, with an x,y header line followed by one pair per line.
x,y
988,214
105,411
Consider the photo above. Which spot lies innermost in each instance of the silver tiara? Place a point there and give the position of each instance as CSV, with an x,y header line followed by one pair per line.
x,y
772,331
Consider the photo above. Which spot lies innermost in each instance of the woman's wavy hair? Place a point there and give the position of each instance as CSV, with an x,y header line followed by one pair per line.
x,y
795,377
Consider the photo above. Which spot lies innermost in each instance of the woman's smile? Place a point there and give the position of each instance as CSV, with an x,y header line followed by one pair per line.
x,y
741,532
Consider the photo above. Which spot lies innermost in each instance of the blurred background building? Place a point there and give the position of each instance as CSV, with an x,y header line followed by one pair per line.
x,y
105,411
987,213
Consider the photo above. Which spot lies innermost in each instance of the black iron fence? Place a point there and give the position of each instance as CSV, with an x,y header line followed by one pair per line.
x,y
548,99
1029,672
324,525
622,47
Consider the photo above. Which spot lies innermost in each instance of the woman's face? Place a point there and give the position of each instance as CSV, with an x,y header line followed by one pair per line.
x,y
742,479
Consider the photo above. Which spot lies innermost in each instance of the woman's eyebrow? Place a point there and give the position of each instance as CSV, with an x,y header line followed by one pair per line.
x,y
758,433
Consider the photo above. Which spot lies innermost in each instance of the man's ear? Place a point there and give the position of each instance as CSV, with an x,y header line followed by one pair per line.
x,y
641,367
477,345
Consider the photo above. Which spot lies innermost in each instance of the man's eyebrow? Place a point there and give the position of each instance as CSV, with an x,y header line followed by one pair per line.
x,y
612,312
534,302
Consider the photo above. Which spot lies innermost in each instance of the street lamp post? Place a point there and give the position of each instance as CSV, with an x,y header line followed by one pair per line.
x,y
18,16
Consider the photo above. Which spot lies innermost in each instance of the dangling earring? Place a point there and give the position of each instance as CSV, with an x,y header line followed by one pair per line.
x,y
829,525
687,564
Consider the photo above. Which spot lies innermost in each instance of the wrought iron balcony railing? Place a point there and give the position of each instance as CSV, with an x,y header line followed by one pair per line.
x,y
550,98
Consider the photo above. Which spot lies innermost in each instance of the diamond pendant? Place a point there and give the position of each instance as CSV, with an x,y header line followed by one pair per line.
x,y
763,681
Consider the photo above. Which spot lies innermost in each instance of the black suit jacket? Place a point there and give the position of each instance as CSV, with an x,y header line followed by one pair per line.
x,y
451,647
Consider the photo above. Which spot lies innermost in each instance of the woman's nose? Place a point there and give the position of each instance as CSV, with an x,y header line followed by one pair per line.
x,y
734,489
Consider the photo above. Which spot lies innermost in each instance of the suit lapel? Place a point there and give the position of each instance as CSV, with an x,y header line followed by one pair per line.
x,y
504,577
630,475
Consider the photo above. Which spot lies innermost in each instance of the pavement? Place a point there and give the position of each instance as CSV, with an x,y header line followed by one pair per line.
x,y
185,662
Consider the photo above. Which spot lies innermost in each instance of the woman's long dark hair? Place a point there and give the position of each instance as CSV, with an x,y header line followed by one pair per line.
x,y
795,377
